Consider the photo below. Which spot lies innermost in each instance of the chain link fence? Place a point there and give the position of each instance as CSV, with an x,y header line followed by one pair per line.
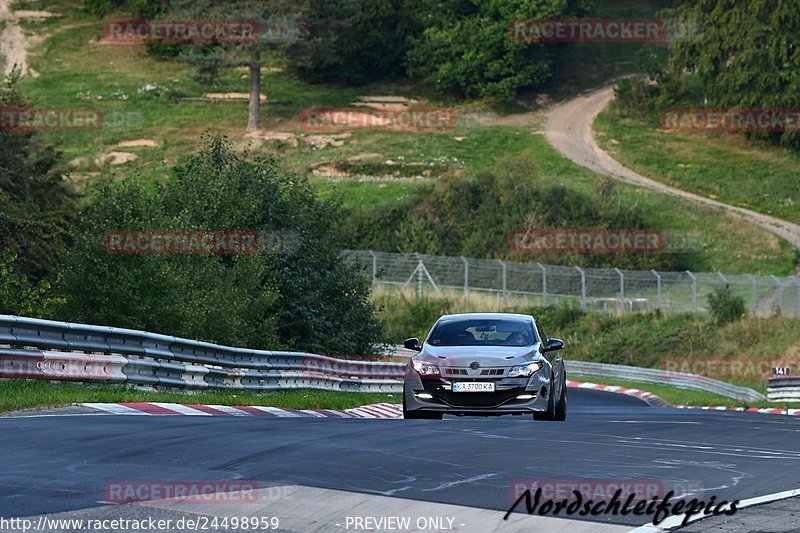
x,y
591,289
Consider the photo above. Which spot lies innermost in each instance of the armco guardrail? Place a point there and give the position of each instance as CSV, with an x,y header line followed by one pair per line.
x,y
681,380
66,351
784,388
43,349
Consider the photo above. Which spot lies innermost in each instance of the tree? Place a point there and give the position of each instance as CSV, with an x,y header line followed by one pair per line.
x,y
36,207
745,56
295,293
466,48
277,23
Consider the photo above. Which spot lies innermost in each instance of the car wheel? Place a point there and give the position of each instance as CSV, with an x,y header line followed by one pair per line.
x,y
561,406
550,414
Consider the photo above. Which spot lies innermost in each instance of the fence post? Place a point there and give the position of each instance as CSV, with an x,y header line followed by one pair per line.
x,y
797,282
658,288
583,288
466,277
374,267
694,292
544,283
621,289
723,278
505,294
780,292
753,295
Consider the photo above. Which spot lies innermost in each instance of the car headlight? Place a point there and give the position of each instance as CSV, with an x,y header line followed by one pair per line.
x,y
425,369
524,371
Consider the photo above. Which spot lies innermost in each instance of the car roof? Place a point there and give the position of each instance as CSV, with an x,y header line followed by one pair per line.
x,y
485,316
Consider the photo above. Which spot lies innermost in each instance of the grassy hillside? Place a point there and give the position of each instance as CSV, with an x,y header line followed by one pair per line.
x,y
368,168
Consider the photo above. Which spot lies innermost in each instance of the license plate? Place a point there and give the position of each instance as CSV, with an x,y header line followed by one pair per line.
x,y
473,387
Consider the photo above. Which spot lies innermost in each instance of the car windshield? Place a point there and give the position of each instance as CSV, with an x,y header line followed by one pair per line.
x,y
483,332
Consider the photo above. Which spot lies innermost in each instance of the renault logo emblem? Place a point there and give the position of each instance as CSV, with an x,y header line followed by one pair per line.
x,y
474,365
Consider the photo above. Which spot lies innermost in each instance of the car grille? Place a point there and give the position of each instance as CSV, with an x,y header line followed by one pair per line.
x,y
477,399
484,372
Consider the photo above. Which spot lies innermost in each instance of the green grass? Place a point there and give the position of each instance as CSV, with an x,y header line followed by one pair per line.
x,y
78,72
21,394
676,396
722,166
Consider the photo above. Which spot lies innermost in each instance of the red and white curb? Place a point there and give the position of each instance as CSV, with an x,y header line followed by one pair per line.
x,y
763,410
378,410
648,397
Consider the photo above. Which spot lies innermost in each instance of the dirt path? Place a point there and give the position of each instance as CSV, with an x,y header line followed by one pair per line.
x,y
568,129
14,43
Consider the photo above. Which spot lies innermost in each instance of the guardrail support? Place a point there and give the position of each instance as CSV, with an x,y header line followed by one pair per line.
x,y
694,292
583,288
658,288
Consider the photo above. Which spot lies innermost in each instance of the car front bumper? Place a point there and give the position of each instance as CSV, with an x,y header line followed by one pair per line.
x,y
503,401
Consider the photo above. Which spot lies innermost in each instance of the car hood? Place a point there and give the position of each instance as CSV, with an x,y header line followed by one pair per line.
x,y
485,356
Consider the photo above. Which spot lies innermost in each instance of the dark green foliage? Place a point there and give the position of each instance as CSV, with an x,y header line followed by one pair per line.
x,y
354,41
19,297
475,215
298,295
466,49
137,8
725,307
36,208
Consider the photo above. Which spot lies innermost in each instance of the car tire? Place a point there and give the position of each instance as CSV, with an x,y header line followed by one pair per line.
x,y
550,414
561,406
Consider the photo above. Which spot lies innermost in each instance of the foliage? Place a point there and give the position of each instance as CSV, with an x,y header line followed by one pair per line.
x,y
475,215
36,208
353,41
19,297
138,8
296,295
725,307
466,49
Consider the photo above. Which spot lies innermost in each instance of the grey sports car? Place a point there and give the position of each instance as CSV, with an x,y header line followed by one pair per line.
x,y
486,364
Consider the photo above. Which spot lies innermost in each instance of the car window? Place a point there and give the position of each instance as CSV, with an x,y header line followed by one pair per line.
x,y
483,332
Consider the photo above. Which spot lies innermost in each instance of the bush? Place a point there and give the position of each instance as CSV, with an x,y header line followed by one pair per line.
x,y
725,307
296,293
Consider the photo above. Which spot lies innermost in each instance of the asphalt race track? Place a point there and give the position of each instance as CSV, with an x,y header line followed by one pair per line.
x,y
61,464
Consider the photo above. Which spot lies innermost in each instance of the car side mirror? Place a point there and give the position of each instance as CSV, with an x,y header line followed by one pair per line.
x,y
412,344
553,345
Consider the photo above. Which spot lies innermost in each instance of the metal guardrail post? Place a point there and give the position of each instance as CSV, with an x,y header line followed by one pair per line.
x,y
621,289
694,292
753,294
466,277
780,291
374,267
544,283
797,282
658,288
722,277
505,293
583,288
